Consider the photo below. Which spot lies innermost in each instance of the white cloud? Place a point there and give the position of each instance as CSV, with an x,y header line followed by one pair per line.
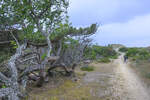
x,y
123,21
89,11
83,12
135,32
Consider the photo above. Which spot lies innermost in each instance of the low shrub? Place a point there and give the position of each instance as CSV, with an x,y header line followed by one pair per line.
x,y
132,52
138,54
123,49
89,68
95,52
147,75
104,60
114,57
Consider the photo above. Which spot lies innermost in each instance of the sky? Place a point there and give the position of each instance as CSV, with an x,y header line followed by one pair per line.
x,y
124,22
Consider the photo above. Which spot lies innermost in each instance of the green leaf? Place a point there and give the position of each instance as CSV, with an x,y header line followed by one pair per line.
x,y
3,86
43,56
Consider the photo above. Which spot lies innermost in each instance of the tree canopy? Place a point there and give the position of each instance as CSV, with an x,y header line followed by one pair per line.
x,y
43,38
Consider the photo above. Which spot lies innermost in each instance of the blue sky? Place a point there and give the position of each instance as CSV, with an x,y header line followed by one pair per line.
x,y
121,21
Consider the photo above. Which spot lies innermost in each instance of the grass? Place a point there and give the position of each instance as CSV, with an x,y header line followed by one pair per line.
x,y
70,90
67,91
89,68
142,69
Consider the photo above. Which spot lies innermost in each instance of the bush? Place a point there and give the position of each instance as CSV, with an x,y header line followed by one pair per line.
x,y
104,60
147,75
89,68
114,57
132,52
96,52
138,54
123,49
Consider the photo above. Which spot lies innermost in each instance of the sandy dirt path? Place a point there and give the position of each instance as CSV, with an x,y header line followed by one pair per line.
x,y
131,82
119,80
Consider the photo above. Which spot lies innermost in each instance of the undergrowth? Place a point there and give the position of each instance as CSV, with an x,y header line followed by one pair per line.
x,y
104,60
89,68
